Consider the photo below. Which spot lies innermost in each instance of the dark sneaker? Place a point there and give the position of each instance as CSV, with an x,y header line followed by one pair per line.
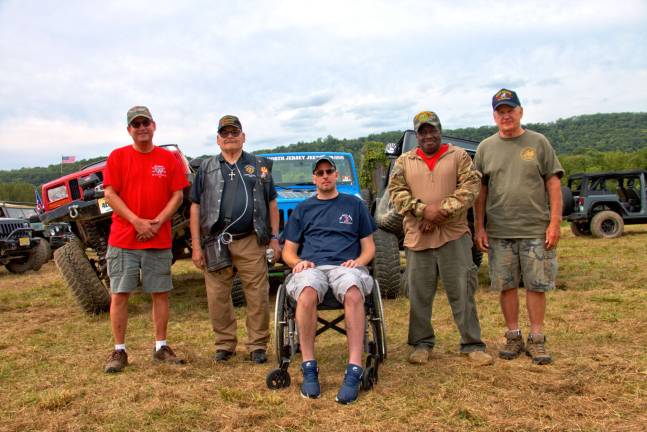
x,y
536,349
310,385
223,355
258,356
166,355
513,345
349,389
117,361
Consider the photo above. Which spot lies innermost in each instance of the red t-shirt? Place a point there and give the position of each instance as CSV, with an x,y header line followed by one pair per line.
x,y
431,161
145,182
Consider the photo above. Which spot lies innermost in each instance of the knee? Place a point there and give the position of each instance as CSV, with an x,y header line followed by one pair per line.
x,y
308,298
119,300
353,297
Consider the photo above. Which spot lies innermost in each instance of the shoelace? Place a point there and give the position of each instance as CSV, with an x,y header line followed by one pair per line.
x,y
309,374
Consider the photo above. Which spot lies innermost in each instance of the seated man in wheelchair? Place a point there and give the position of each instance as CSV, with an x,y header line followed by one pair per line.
x,y
328,244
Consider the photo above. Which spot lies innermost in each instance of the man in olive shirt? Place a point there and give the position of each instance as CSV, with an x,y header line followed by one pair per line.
x,y
521,197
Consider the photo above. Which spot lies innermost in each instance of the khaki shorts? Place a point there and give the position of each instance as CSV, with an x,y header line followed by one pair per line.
x,y
337,278
126,267
513,259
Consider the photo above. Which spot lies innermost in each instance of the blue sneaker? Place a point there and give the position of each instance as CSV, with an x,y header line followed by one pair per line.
x,y
310,385
350,387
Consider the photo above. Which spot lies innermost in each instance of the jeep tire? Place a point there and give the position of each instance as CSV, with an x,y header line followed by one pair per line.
x,y
88,290
387,218
607,224
386,264
580,229
34,261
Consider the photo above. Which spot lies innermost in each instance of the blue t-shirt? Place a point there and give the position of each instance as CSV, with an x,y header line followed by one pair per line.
x,y
329,231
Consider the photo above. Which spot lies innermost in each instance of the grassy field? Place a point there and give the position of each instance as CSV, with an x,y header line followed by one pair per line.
x,y
52,356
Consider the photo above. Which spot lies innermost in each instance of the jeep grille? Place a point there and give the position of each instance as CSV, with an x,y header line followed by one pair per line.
x,y
7,228
74,189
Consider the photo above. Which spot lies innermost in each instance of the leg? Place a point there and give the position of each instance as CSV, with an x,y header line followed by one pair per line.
x,y
160,313
509,300
306,316
355,321
119,316
221,310
536,304
422,275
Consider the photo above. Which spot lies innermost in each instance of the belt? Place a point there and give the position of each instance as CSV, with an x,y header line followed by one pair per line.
x,y
241,236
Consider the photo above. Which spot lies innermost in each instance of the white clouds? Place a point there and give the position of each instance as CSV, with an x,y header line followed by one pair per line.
x,y
294,71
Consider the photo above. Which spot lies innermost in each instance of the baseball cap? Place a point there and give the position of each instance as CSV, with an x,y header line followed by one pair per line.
x,y
426,117
505,97
138,111
229,120
323,159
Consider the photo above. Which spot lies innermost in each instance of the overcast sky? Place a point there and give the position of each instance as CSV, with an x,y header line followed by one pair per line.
x,y
298,70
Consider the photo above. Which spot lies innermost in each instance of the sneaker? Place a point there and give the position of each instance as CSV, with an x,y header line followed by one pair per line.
x,y
535,348
223,355
166,355
310,385
419,355
117,361
258,356
349,389
513,345
480,358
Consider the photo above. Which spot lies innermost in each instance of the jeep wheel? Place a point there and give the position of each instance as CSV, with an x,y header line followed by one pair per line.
x,y
237,294
387,218
580,229
386,265
89,291
607,224
37,257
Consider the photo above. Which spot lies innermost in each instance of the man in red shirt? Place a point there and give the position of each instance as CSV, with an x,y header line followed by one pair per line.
x,y
143,184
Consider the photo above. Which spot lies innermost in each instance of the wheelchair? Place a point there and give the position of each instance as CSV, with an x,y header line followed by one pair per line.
x,y
286,337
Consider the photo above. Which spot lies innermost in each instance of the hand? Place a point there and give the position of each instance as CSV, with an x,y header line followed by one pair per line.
x,y
274,245
552,235
197,257
425,226
302,265
481,240
146,228
433,213
350,264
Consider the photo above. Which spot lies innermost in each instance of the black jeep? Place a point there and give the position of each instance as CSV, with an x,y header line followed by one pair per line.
x,y
600,204
20,250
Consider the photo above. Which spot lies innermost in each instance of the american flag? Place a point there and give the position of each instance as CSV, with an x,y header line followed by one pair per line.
x,y
39,202
68,159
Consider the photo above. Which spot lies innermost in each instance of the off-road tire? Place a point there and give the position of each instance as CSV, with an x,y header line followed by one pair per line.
x,y
86,287
567,201
607,224
37,257
237,294
386,264
580,229
387,218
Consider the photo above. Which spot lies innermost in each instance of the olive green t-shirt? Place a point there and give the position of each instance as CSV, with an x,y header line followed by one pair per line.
x,y
514,170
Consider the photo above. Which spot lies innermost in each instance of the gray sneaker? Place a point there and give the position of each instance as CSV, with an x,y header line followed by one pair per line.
x,y
117,361
536,349
513,345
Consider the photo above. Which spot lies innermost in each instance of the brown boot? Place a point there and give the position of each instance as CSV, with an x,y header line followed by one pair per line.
x,y
117,361
536,349
166,355
513,345
419,355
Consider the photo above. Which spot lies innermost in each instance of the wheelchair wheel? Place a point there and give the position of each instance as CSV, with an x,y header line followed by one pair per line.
x,y
378,324
278,379
280,325
369,378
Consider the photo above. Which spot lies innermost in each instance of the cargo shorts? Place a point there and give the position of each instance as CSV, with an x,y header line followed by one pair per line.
x,y
510,260
127,267
337,278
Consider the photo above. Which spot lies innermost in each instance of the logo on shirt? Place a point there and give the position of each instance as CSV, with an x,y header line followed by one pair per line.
x,y
249,169
528,154
346,219
264,172
158,171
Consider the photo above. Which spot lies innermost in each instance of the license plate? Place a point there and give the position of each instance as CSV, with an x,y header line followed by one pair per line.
x,y
23,241
103,206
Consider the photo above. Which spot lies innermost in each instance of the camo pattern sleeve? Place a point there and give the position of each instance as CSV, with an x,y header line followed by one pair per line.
x,y
468,185
400,193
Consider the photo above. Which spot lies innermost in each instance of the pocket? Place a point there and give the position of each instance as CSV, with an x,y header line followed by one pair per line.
x,y
550,265
115,258
161,262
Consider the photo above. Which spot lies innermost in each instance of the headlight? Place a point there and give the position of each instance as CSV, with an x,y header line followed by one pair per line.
x,y
57,193
52,232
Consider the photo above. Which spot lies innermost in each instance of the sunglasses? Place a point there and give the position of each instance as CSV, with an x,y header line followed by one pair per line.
x,y
329,171
137,123
231,132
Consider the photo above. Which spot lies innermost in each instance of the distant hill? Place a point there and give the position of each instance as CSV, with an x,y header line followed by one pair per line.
x,y
625,132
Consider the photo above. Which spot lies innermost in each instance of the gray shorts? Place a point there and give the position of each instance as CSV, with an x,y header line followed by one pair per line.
x,y
512,259
338,278
126,267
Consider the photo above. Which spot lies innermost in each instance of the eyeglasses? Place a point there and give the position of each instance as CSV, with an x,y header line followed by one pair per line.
x,y
229,132
328,171
137,123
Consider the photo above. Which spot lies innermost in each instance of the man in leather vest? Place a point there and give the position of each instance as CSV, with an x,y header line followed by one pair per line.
x,y
234,204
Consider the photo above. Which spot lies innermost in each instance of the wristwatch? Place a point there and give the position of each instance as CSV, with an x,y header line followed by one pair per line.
x,y
274,237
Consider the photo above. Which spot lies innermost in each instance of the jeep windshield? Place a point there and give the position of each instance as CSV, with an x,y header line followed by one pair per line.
x,y
296,170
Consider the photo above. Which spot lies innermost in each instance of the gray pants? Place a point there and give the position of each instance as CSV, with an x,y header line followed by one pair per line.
x,y
453,263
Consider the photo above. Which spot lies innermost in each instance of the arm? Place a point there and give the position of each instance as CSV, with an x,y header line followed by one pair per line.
x,y
144,227
291,258
196,246
400,193
366,255
553,187
480,236
468,184
274,224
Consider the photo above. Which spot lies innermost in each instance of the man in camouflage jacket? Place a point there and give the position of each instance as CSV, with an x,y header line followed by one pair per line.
x,y
433,186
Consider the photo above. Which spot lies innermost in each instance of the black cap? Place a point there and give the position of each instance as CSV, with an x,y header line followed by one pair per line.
x,y
322,159
505,97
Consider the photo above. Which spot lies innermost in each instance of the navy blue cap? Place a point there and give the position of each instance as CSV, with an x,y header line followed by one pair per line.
x,y
322,159
505,97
